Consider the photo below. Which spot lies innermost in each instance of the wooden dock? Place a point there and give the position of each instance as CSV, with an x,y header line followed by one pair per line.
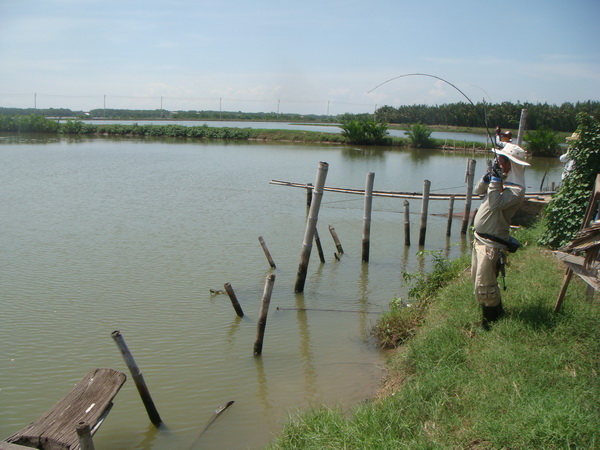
x,y
87,404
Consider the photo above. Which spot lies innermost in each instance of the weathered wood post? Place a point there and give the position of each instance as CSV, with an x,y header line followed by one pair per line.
x,y
309,192
138,378
522,122
311,225
450,214
319,247
267,253
262,316
84,433
234,300
473,217
336,240
366,236
470,175
424,209
406,223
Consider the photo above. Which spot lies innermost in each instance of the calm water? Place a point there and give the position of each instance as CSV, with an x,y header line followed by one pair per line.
x,y
101,235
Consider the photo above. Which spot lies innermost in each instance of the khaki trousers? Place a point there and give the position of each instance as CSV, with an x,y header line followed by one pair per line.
x,y
484,272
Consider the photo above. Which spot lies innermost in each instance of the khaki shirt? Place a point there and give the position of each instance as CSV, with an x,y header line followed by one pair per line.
x,y
500,203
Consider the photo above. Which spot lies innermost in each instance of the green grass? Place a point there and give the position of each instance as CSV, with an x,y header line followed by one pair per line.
x,y
529,382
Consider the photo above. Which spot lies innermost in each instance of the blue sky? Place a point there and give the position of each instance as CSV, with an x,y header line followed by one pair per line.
x,y
303,56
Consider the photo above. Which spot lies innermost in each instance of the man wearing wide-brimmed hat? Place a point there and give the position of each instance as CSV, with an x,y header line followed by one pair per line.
x,y
504,189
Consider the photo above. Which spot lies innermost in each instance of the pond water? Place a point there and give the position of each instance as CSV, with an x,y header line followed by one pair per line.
x,y
104,234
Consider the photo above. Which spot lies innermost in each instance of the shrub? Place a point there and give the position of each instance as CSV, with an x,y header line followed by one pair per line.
x,y
542,142
420,136
365,132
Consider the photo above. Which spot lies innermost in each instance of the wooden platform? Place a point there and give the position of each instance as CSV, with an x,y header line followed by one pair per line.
x,y
89,402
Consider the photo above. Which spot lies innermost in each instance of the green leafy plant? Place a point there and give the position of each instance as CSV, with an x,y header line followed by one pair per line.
x,y
365,132
542,142
420,136
567,208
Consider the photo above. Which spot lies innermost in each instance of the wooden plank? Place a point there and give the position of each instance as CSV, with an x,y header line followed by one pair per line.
x,y
87,402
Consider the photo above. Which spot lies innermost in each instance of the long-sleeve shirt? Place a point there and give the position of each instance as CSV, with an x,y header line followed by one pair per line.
x,y
501,202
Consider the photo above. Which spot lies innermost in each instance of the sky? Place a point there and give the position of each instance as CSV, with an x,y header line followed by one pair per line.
x,y
303,56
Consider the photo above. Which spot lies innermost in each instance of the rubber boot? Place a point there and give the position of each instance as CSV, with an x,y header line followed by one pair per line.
x,y
490,314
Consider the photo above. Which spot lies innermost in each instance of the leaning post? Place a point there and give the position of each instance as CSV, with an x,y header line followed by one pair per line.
x,y
406,223
470,176
311,225
366,236
424,209
262,316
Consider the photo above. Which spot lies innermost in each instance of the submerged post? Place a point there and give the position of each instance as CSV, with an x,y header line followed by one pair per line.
x,y
450,214
470,175
137,378
311,225
336,240
366,236
319,247
406,223
262,316
234,300
424,209
267,253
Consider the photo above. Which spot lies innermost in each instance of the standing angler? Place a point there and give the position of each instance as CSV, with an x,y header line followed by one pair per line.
x,y
504,189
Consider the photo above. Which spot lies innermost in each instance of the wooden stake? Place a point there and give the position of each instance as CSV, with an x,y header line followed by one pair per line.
x,y
450,214
234,300
406,223
336,239
470,175
309,192
366,236
137,378
319,248
424,209
264,310
311,225
214,417
84,433
267,253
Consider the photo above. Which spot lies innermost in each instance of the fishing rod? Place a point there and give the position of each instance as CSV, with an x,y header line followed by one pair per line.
x,y
482,115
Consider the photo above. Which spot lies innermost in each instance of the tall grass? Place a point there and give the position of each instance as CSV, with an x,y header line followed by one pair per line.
x,y
529,382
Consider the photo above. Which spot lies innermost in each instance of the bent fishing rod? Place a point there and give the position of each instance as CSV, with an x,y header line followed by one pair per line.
x,y
482,115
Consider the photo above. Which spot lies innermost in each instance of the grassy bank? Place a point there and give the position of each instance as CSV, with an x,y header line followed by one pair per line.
x,y
530,382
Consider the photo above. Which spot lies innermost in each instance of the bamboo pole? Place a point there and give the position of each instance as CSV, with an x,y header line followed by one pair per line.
x,y
267,253
366,236
319,247
406,223
450,214
138,378
424,209
311,225
522,122
262,316
234,300
336,240
84,434
470,175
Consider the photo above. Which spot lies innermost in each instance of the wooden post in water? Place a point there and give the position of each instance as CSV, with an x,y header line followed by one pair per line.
x,y
84,433
234,300
406,223
138,378
366,236
311,225
309,192
262,316
470,175
266,250
424,209
450,214
334,235
522,122
319,247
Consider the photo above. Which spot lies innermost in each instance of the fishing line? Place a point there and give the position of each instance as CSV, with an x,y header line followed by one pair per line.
x,y
482,115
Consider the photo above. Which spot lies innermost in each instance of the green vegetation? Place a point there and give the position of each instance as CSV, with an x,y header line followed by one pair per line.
x,y
420,136
542,142
567,207
529,382
365,132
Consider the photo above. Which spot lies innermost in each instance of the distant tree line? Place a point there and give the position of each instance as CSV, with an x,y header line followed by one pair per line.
x,y
505,115
461,114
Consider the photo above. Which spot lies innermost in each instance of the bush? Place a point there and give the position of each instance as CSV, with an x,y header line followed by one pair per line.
x,y
542,142
566,210
420,136
365,132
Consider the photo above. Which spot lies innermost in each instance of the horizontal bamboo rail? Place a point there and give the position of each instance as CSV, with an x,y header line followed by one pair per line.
x,y
398,194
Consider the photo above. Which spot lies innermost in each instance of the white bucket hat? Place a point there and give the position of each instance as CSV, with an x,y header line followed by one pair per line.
x,y
514,153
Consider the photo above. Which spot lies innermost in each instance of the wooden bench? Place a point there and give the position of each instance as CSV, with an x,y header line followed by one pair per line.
x,y
89,402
